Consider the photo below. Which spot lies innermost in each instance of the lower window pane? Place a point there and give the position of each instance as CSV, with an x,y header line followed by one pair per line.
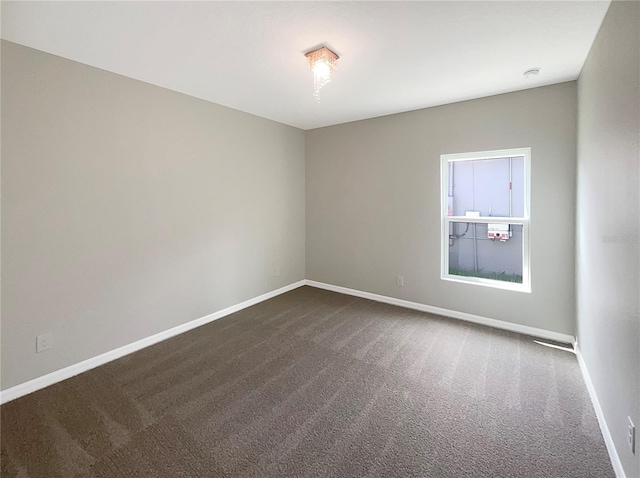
x,y
489,251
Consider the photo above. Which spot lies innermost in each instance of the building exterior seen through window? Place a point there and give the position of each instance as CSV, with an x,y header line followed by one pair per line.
x,y
485,218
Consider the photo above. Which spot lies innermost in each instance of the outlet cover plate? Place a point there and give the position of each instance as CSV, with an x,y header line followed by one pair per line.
x,y
44,342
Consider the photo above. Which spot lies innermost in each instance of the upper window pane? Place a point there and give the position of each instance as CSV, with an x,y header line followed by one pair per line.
x,y
492,187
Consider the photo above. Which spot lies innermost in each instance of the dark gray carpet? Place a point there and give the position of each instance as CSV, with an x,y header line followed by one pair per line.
x,y
316,384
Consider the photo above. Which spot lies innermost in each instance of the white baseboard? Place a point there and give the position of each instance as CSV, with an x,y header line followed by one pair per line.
x,y
476,319
75,369
608,441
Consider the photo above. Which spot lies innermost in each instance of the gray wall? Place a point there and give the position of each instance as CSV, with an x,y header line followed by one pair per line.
x,y
128,209
373,202
608,222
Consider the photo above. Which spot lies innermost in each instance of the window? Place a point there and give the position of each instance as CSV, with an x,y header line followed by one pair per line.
x,y
485,218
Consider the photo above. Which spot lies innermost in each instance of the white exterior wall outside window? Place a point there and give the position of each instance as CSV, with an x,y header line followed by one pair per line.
x,y
485,218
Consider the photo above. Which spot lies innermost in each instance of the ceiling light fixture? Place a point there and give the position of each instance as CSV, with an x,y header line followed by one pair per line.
x,y
322,62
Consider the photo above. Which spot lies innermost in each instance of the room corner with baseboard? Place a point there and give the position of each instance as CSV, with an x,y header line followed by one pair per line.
x,y
225,256
152,211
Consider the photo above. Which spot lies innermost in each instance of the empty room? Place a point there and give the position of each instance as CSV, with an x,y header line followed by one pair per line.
x,y
320,239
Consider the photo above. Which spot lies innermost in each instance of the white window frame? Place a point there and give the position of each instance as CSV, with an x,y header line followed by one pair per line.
x,y
523,221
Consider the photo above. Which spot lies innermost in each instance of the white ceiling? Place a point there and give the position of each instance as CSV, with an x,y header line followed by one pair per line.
x,y
395,56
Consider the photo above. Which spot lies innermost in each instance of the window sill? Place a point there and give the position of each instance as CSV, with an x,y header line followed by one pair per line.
x,y
488,283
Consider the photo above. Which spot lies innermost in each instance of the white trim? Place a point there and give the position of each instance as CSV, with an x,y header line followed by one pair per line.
x,y
608,440
497,153
80,367
518,221
454,314
495,284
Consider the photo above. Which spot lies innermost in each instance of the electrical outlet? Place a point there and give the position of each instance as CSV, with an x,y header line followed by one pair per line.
x,y
631,436
400,281
44,342
276,272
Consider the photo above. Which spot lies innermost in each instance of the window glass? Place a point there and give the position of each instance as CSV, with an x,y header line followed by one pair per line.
x,y
492,187
474,252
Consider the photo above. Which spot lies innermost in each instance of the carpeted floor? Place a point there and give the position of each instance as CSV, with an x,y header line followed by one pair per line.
x,y
316,384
